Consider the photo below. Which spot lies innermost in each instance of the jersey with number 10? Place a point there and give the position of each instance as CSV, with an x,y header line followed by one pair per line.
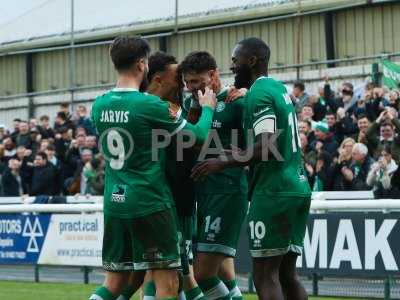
x,y
135,181
270,109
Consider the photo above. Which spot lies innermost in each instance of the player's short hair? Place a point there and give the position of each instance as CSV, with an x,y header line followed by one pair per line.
x,y
299,85
125,51
256,47
197,62
158,62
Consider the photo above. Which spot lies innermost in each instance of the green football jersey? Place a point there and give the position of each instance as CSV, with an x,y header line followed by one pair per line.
x,y
135,181
270,109
227,120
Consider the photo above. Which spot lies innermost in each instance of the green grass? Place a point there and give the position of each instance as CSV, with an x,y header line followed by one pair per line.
x,y
12,290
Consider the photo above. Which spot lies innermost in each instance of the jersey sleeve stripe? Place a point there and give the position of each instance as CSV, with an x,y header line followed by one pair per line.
x,y
178,115
179,128
265,124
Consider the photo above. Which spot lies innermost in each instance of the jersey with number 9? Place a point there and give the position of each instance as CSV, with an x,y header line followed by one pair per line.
x,y
270,109
135,181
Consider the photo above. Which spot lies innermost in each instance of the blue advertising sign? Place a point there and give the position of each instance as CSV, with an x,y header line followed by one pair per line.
x,y
22,237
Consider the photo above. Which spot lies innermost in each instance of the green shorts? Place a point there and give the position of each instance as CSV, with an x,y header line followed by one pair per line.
x,y
219,221
277,225
150,242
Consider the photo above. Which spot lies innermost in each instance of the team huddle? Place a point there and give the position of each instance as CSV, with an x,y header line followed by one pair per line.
x,y
221,148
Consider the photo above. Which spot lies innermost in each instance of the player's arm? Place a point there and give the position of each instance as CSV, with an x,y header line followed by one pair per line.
x,y
207,102
162,119
264,125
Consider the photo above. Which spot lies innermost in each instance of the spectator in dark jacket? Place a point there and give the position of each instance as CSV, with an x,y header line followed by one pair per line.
x,y
355,177
44,178
13,183
322,179
300,96
84,120
345,99
388,125
343,161
362,127
320,106
44,128
324,139
24,137
305,127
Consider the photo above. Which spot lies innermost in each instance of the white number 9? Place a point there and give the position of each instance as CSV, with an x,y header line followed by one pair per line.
x,y
115,145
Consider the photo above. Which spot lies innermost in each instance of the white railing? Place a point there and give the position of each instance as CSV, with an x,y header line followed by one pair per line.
x,y
323,202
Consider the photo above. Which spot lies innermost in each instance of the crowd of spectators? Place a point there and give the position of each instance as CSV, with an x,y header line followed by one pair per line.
x,y
39,159
348,141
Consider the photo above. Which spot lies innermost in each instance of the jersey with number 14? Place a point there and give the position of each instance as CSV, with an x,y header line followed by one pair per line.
x,y
135,181
270,109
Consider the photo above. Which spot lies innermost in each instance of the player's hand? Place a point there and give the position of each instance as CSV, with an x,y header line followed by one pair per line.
x,y
234,93
208,98
205,168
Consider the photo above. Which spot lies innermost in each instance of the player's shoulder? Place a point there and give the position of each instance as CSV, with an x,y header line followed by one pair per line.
x,y
266,81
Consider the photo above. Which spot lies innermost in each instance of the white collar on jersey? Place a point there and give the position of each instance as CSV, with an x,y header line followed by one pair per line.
x,y
117,89
262,77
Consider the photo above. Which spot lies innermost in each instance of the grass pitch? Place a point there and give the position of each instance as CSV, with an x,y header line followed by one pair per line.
x,y
12,290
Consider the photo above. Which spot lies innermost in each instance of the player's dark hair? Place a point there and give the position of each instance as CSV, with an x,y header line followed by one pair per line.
x,y
256,47
125,51
42,154
299,85
197,62
158,62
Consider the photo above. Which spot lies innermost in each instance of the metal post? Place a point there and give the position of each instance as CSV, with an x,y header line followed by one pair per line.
x,y
315,284
176,16
86,272
72,57
36,273
298,38
387,285
29,83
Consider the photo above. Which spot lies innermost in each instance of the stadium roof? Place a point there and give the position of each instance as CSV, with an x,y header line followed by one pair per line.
x,y
33,23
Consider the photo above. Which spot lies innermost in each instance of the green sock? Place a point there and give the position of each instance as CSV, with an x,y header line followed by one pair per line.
x,y
195,294
102,293
149,291
213,289
127,293
234,290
